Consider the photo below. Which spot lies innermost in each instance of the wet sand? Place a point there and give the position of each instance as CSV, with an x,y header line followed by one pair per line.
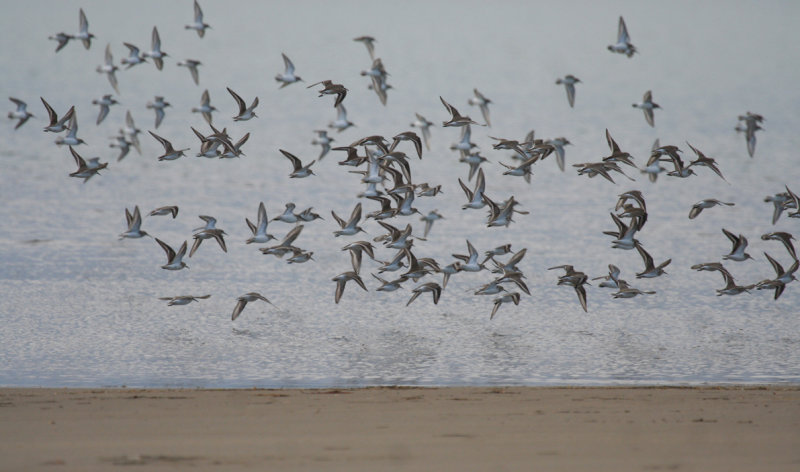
x,y
376,429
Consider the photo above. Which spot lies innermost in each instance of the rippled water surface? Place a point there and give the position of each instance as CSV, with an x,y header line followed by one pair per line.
x,y
81,308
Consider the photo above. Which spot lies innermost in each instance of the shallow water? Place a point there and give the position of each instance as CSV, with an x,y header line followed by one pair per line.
x,y
81,308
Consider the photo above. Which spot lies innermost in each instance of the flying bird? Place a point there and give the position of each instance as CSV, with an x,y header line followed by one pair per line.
x,y
198,24
623,44
21,113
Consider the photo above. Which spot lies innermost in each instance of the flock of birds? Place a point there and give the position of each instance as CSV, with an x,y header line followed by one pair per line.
x,y
385,169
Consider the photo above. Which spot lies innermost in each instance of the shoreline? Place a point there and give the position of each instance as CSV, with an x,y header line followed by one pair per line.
x,y
578,384
709,428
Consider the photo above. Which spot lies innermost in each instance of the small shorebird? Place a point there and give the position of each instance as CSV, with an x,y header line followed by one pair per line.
x,y
231,150
71,139
57,125
730,285
474,160
86,170
623,44
593,169
635,195
389,286
408,136
429,219
624,234
456,119
482,102
340,123
617,155
242,301
109,68
491,288
396,239
203,234
308,215
638,215
342,279
166,210
650,269
778,201
416,269
464,144
739,245
299,256
702,160
510,297
708,266
782,277
131,132
611,280
356,250
285,245
501,214
259,229
134,56
62,39
511,264
569,82
288,215
751,122
515,146
375,140
426,190
21,113
198,24
558,146
703,204
299,170
183,299
630,292
386,211
647,106
104,104
523,170
174,259
431,287
653,166
783,237
516,278
158,105
211,223
449,270
575,279
83,33
324,141
395,264
329,88
469,262
155,52
134,222
192,64
349,227
205,107
170,154
245,112
498,251
475,197
793,201
288,76
425,128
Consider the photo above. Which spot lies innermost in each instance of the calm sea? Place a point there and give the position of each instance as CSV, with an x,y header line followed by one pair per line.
x,y
80,307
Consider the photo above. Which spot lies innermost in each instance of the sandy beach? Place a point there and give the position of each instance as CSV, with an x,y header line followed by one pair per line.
x,y
474,428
